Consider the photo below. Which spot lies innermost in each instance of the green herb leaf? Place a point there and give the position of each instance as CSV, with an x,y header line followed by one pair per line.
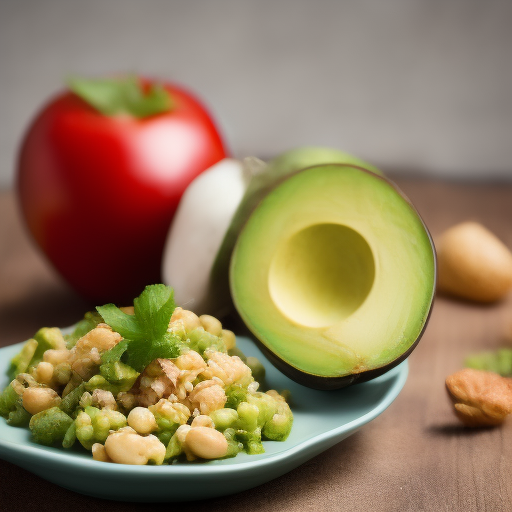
x,y
126,325
115,353
145,333
122,96
153,309
140,354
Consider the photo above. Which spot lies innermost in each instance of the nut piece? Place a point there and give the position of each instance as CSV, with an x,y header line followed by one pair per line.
x,y
207,396
84,357
158,380
228,369
103,399
480,398
473,264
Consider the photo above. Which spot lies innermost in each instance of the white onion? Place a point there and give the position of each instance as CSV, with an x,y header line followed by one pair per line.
x,y
201,221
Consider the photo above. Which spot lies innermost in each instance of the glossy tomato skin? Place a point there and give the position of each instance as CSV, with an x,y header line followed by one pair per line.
x,y
98,193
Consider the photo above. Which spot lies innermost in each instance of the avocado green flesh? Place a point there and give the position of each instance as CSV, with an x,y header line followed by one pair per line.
x,y
260,185
334,272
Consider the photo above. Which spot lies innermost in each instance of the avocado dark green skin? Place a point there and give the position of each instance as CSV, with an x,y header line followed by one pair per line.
x,y
331,383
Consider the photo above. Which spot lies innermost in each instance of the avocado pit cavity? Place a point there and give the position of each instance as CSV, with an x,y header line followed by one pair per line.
x,y
321,274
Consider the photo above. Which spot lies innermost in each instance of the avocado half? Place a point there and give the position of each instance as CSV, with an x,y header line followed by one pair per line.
x,y
334,273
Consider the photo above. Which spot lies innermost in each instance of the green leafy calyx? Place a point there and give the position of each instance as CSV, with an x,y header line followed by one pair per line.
x,y
123,96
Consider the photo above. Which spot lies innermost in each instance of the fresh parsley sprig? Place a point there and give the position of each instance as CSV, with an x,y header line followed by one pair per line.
x,y
145,333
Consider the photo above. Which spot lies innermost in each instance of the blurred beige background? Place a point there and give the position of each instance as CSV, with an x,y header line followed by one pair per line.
x,y
410,85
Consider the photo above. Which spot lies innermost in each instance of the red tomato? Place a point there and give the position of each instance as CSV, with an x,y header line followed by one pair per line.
x,y
98,192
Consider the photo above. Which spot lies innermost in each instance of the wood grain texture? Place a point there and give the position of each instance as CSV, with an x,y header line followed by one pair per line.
x,y
414,457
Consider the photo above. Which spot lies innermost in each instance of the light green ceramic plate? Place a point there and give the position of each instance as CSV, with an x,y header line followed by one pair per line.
x,y
322,419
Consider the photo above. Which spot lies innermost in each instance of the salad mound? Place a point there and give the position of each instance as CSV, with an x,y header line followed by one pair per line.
x,y
148,384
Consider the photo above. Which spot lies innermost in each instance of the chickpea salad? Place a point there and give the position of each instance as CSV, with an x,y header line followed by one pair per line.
x,y
150,383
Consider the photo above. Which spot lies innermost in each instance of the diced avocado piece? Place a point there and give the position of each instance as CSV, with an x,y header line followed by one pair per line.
x,y
224,418
21,361
174,448
19,417
251,441
168,418
32,351
73,383
200,340
267,406
8,400
234,446
278,427
50,426
334,273
70,436
235,394
119,374
11,407
47,338
247,416
70,402
99,382
93,425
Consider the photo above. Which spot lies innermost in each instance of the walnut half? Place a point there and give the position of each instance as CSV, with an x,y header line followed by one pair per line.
x,y
481,398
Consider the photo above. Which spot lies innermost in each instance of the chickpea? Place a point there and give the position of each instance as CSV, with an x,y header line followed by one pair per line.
x,y
102,337
211,324
189,319
56,356
190,360
99,453
229,339
37,399
206,443
125,446
202,421
182,433
44,373
142,420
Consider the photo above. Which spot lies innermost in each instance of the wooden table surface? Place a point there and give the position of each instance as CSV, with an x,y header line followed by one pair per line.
x,y
414,457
